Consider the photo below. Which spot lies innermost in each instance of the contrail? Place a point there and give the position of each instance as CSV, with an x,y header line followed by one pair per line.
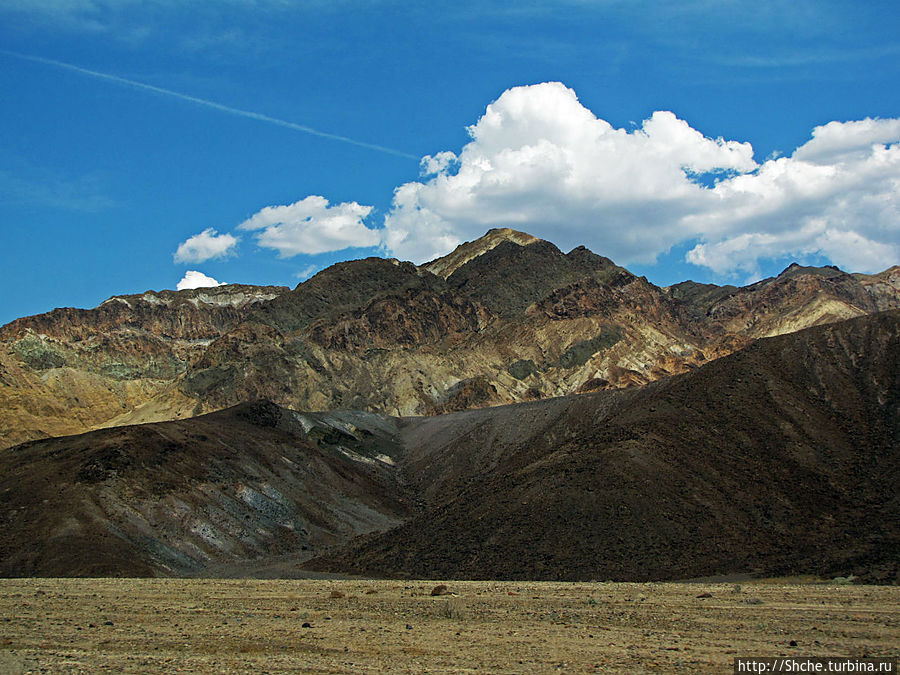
x,y
209,104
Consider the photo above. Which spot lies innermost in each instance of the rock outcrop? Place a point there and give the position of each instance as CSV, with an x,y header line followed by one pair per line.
x,y
76,369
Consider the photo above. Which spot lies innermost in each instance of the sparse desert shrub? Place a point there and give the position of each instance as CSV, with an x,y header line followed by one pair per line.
x,y
454,609
843,581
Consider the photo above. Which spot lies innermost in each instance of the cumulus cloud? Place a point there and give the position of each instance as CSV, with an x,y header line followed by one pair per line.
x,y
438,163
539,160
837,196
312,226
194,279
835,139
205,246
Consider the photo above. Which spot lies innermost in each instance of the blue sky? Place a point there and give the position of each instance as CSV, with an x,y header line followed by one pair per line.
x,y
717,141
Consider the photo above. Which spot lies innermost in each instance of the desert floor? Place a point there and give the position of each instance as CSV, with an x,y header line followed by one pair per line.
x,y
271,626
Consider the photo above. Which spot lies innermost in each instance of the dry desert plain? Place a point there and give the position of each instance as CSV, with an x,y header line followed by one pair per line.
x,y
273,626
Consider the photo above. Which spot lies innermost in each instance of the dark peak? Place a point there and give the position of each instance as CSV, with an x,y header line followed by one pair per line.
x,y
583,253
509,278
795,270
699,296
448,264
343,287
260,413
358,268
344,282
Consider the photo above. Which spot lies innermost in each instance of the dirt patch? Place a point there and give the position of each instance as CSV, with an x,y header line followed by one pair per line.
x,y
154,625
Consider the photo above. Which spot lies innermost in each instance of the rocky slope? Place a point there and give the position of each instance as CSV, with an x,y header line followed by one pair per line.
x,y
778,459
175,498
502,319
508,318
73,369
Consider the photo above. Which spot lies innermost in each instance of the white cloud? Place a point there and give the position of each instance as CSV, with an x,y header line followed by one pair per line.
x,y
838,196
194,279
312,226
204,246
306,272
542,162
836,139
440,162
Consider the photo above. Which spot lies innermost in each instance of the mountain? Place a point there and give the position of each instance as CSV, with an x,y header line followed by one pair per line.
x,y
505,318
73,369
780,458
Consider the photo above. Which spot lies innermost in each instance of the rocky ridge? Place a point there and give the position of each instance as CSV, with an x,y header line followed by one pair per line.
x,y
70,370
779,459
502,319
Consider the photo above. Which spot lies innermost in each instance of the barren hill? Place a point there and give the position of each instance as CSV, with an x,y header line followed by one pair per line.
x,y
780,458
174,498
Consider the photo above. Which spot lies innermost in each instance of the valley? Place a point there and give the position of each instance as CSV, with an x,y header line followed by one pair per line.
x,y
365,626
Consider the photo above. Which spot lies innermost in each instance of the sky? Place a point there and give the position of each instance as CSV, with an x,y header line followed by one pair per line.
x,y
155,144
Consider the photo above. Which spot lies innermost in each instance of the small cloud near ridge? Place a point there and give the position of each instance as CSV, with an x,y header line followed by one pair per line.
x,y
312,226
195,279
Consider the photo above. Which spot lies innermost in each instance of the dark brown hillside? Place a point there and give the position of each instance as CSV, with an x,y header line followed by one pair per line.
x,y
510,277
343,287
174,498
782,458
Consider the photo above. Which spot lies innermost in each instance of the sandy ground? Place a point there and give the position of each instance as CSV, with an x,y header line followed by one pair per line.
x,y
270,626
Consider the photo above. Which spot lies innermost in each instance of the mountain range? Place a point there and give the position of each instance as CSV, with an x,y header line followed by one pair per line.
x,y
778,459
502,319
506,411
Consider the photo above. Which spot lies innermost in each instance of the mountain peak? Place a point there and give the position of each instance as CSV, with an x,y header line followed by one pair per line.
x,y
447,265
795,270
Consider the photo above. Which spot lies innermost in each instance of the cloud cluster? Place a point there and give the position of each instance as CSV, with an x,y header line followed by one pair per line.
x,y
205,246
542,162
539,161
837,196
194,279
312,226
